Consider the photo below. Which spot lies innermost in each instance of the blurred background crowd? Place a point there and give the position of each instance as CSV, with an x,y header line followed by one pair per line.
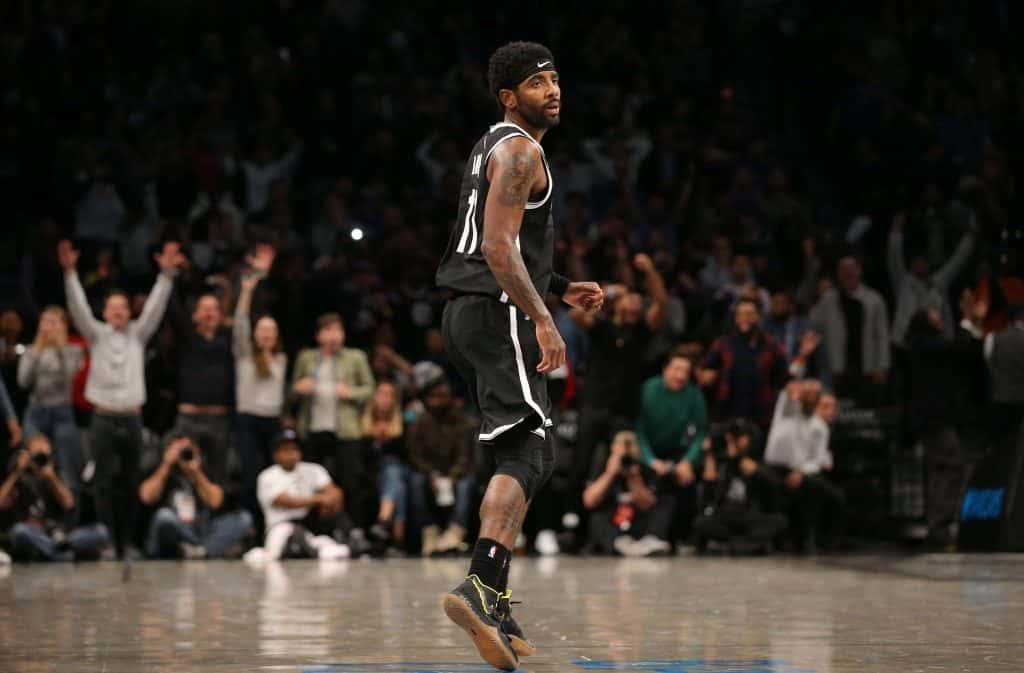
x,y
219,326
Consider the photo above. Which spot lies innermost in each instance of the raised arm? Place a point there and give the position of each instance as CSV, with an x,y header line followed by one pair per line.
x,y
259,263
955,264
78,305
514,172
655,290
169,260
285,166
241,330
156,303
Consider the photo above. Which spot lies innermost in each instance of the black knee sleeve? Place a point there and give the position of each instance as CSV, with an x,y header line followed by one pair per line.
x,y
525,457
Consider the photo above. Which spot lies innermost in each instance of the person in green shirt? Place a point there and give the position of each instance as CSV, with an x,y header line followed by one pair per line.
x,y
673,422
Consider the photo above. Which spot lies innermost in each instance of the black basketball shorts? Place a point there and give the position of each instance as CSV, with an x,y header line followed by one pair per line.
x,y
494,347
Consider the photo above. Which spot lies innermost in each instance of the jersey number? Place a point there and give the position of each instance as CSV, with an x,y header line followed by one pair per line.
x,y
469,234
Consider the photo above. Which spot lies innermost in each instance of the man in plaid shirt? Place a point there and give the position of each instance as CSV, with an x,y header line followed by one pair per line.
x,y
745,369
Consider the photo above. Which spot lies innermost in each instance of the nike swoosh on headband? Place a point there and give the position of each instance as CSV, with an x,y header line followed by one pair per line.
x,y
541,65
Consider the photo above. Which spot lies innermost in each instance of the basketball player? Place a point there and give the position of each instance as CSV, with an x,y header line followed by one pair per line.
x,y
499,333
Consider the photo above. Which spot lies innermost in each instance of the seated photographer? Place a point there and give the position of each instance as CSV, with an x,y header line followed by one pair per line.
x,y
626,517
797,451
184,525
441,444
41,502
301,505
740,496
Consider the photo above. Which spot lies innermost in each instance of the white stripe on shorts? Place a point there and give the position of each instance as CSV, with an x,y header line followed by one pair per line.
x,y
521,369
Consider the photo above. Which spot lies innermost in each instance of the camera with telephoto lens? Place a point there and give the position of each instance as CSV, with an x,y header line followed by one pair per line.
x,y
720,443
187,454
719,447
41,460
631,455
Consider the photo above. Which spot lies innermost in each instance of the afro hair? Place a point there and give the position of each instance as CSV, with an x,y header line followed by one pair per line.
x,y
509,63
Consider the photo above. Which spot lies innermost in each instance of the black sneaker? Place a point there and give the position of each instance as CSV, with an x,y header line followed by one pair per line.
x,y
474,606
380,538
503,612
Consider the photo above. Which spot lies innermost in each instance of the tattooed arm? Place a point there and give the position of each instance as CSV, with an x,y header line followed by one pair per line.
x,y
514,172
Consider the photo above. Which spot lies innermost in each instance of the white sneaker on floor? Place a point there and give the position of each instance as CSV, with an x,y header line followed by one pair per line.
x,y
192,552
547,543
334,552
627,546
451,539
654,546
431,535
255,556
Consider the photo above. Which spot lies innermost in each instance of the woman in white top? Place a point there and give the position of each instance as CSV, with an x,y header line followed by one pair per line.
x,y
47,370
260,367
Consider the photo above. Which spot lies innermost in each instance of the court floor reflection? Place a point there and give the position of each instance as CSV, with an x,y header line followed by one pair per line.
x,y
663,616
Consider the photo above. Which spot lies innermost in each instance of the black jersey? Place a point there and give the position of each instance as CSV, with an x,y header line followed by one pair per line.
x,y
463,268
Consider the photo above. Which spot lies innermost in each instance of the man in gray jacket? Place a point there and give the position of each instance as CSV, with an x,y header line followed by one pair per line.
x,y
918,287
116,385
854,323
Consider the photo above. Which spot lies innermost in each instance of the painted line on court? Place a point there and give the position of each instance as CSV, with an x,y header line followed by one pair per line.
x,y
647,666
694,666
399,667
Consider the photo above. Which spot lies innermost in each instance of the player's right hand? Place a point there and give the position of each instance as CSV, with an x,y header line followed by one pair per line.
x,y
552,347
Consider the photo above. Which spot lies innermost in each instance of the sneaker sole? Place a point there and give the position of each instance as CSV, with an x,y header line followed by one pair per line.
x,y
523,648
492,644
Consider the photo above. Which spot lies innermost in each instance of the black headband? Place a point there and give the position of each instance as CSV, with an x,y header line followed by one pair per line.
x,y
528,69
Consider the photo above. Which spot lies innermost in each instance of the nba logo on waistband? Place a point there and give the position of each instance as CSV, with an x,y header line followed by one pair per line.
x,y
493,552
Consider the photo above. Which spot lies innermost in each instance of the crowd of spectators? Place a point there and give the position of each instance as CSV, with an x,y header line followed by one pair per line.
x,y
254,199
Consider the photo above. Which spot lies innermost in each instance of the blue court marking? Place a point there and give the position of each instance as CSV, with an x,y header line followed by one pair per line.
x,y
694,666
982,504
